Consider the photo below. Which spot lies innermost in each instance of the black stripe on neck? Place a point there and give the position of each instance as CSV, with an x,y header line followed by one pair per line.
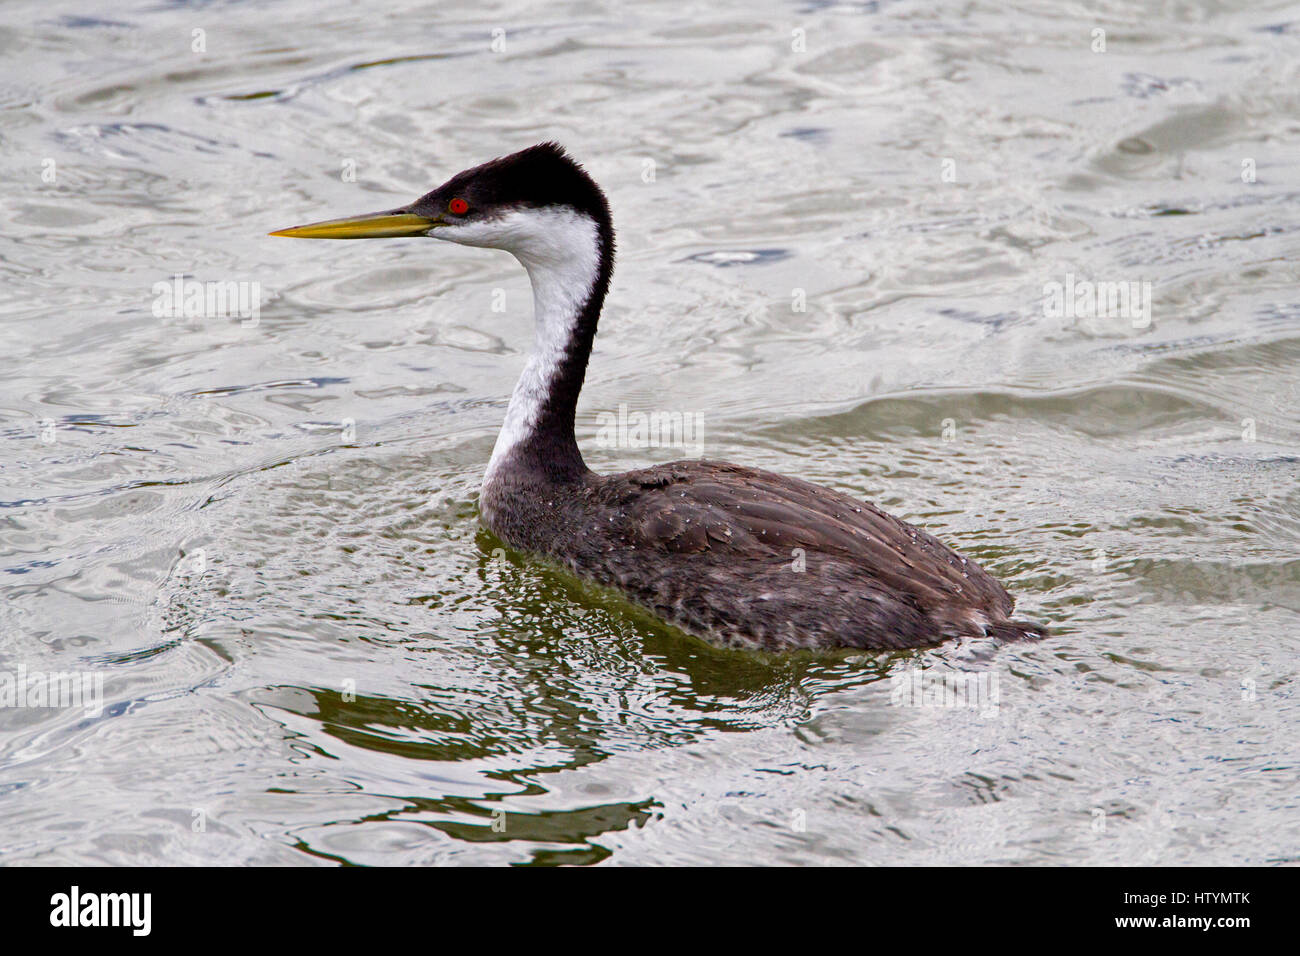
x,y
551,448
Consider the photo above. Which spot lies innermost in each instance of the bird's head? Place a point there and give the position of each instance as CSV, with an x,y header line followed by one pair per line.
x,y
537,203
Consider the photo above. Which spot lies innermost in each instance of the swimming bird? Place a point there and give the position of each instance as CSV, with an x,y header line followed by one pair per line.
x,y
737,556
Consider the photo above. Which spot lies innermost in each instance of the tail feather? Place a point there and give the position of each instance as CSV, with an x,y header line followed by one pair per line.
x,y
1016,631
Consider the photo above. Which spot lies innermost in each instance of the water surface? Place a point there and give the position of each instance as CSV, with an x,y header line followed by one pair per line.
x,y
836,224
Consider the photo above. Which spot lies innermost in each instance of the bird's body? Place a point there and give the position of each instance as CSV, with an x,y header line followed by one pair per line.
x,y
747,558
739,557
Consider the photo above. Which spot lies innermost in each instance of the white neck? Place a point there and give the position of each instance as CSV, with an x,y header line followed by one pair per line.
x,y
560,249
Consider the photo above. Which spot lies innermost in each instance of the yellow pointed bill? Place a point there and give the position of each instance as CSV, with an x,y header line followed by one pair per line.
x,y
378,225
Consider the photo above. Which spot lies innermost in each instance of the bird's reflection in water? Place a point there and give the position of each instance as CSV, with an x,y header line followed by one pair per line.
x,y
566,676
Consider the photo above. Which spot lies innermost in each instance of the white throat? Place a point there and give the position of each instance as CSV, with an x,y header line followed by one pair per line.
x,y
560,249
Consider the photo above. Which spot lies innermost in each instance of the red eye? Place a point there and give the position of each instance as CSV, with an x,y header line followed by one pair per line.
x,y
458,206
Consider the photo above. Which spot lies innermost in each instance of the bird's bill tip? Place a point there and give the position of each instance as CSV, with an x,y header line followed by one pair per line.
x,y
378,225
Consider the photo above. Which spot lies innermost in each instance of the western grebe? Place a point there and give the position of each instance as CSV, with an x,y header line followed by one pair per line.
x,y
739,557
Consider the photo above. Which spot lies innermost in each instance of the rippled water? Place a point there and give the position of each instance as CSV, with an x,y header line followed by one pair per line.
x,y
262,535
